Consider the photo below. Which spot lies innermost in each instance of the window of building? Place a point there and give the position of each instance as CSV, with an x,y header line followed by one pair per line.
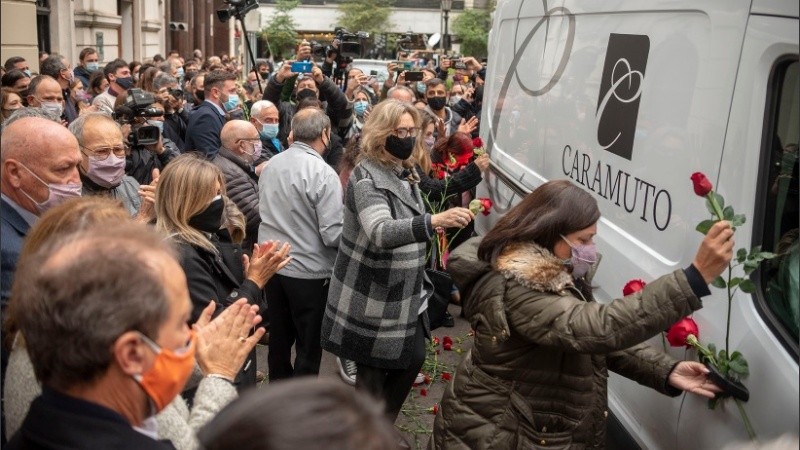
x,y
776,217
43,25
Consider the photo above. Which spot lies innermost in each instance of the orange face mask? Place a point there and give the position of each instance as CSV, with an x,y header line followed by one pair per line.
x,y
169,373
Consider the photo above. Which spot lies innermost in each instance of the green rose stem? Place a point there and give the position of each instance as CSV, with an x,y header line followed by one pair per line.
x,y
748,426
720,216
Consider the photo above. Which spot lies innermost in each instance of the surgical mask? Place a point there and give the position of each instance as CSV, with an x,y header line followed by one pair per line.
x,y
53,107
125,83
436,103
268,130
107,173
92,66
400,148
421,87
170,371
179,72
231,103
429,141
583,256
157,123
251,156
27,72
454,99
209,220
360,108
70,76
58,192
82,96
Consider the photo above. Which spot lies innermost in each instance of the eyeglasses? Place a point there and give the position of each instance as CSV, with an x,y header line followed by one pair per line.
x,y
406,132
102,153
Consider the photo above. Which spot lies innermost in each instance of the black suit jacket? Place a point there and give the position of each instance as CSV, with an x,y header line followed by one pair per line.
x,y
202,133
13,229
58,421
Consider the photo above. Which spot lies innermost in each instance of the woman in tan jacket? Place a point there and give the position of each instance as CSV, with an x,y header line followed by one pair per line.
x,y
536,377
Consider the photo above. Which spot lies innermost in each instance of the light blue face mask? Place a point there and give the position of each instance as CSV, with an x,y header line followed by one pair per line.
x,y
268,131
157,123
27,72
421,87
179,73
360,107
92,66
232,103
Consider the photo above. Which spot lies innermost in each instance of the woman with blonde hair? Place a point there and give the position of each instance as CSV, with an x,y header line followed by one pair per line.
x,y
376,310
190,208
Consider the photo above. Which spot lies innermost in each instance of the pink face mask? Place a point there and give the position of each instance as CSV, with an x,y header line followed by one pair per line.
x,y
583,256
107,173
59,192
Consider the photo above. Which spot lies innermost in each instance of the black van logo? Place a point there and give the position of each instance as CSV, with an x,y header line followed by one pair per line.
x,y
620,92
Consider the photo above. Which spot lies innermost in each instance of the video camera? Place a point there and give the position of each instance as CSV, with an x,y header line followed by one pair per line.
x,y
349,44
409,42
137,104
236,8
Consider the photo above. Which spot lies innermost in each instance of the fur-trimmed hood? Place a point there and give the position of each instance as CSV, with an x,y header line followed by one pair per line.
x,y
533,267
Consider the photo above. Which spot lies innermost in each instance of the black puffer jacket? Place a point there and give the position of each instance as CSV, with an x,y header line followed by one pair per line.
x,y
536,377
241,184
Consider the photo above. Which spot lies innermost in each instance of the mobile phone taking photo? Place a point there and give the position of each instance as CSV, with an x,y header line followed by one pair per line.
x,y
301,67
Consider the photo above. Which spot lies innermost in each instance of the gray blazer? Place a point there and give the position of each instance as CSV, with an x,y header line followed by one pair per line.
x,y
376,290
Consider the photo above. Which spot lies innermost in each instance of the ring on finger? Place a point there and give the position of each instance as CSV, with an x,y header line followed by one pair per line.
x,y
242,339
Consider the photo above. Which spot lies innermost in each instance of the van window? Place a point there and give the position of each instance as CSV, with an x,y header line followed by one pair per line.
x,y
776,222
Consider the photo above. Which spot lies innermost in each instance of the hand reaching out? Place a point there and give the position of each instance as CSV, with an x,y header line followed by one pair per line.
x,y
692,376
468,126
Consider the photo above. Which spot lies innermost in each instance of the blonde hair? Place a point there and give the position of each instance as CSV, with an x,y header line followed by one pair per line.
x,y
234,221
421,154
185,188
382,121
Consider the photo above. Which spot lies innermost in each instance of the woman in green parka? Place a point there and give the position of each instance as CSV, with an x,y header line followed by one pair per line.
x,y
536,377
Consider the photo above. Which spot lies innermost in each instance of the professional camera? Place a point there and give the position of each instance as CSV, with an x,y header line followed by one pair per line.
x,y
409,41
349,44
138,104
236,8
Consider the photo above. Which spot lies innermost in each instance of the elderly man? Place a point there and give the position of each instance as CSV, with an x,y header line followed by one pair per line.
x,y
45,92
103,382
401,93
207,119
241,147
264,116
102,167
300,202
39,171
119,79
59,68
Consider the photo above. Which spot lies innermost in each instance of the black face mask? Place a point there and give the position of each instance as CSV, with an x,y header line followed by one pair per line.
x,y
200,95
189,75
437,103
400,148
209,220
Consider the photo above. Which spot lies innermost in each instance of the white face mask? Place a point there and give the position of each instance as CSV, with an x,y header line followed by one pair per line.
x,y
53,107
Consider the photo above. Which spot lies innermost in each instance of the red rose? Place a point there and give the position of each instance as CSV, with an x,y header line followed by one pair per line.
x,y
446,376
428,379
633,286
435,409
439,171
423,392
459,160
678,332
447,340
701,184
487,206
447,346
477,142
435,341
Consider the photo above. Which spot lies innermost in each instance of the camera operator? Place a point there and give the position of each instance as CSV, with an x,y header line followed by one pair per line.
x,y
314,84
176,118
142,159
357,79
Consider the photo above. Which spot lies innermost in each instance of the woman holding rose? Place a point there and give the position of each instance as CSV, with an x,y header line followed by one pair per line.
x,y
537,373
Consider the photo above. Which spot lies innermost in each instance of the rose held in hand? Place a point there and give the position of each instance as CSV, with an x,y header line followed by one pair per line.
x,y
632,286
682,329
701,184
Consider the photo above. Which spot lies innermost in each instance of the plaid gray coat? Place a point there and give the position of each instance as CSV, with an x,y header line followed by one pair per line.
x,y
377,284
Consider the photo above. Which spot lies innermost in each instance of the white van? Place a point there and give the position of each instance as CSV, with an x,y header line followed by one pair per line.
x,y
627,99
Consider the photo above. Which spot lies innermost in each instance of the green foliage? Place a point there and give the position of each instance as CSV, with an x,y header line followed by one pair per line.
x,y
281,33
371,16
472,28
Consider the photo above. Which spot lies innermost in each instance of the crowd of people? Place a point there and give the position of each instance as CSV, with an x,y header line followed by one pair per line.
x,y
139,271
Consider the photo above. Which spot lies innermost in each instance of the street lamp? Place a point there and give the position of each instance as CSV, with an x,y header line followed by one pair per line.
x,y
447,5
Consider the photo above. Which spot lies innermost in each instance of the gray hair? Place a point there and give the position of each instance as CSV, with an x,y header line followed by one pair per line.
x,y
401,88
308,125
78,125
53,65
260,106
31,111
163,80
112,277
